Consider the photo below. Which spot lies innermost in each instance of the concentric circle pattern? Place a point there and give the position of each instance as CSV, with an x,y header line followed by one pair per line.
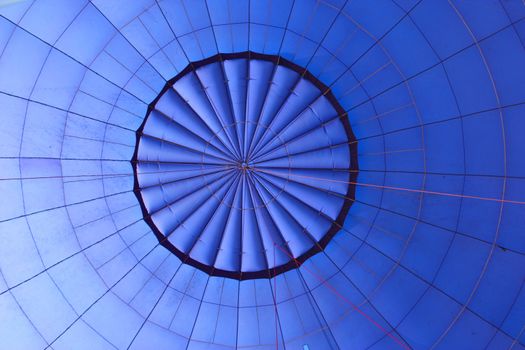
x,y
178,174
243,165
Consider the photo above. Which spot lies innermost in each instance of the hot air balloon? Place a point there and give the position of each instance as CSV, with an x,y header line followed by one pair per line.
x,y
262,174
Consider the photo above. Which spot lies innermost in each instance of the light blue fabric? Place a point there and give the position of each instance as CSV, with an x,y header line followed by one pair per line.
x,y
431,253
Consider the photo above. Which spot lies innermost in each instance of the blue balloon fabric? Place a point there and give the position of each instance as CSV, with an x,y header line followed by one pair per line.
x,y
262,174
